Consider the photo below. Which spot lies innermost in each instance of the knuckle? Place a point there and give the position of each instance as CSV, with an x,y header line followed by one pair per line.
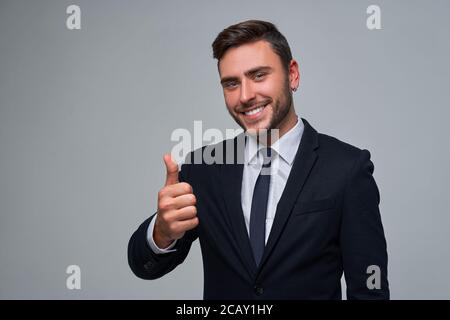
x,y
164,219
165,204
162,205
161,193
186,187
189,212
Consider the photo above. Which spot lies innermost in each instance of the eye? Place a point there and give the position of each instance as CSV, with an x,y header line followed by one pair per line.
x,y
230,84
259,75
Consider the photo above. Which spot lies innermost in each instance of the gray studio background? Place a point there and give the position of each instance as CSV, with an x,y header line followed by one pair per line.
x,y
86,115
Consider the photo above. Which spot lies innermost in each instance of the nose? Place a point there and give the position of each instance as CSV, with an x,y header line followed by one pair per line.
x,y
247,92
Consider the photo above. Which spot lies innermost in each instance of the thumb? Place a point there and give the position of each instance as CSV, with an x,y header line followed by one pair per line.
x,y
172,170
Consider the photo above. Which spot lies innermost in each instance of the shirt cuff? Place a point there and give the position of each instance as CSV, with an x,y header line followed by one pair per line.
x,y
151,241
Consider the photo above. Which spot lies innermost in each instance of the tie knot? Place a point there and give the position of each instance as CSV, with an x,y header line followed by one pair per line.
x,y
267,156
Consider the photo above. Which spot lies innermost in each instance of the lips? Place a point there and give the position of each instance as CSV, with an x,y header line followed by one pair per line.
x,y
255,113
255,110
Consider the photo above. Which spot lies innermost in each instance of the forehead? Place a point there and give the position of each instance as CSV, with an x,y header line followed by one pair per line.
x,y
247,56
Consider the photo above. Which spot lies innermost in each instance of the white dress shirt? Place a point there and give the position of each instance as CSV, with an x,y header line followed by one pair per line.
x,y
282,159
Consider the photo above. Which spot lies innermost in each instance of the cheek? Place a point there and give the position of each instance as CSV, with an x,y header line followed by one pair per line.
x,y
230,100
273,86
267,89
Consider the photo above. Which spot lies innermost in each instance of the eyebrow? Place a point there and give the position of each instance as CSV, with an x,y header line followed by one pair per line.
x,y
248,73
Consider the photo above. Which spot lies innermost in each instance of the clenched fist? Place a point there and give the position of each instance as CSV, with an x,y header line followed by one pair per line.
x,y
176,208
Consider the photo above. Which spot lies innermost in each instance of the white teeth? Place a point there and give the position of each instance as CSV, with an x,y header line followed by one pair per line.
x,y
254,111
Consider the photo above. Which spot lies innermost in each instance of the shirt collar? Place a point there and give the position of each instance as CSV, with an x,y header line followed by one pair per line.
x,y
286,146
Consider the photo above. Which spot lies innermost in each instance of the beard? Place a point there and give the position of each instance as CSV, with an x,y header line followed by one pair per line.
x,y
280,109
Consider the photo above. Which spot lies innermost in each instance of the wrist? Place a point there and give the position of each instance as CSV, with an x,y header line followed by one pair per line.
x,y
161,240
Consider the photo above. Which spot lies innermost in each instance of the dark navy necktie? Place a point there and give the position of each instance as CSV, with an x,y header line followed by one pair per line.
x,y
259,207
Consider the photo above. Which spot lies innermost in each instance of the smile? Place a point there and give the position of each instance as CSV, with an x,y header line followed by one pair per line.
x,y
255,111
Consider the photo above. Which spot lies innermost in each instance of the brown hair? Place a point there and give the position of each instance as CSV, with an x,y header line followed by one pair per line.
x,y
251,31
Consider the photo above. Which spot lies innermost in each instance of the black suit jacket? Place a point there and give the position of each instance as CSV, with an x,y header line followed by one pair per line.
x,y
327,222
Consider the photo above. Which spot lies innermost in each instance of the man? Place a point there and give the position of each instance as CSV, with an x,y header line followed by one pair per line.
x,y
289,234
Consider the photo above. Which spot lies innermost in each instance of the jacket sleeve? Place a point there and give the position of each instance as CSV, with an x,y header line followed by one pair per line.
x,y
148,265
362,237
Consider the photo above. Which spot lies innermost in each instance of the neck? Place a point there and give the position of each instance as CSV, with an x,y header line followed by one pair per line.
x,y
289,121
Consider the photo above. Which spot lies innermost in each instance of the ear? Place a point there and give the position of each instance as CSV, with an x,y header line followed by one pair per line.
x,y
294,75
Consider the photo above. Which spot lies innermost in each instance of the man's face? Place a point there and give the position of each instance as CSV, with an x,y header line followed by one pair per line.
x,y
256,87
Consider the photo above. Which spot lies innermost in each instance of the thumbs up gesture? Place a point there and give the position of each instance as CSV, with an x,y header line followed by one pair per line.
x,y
176,208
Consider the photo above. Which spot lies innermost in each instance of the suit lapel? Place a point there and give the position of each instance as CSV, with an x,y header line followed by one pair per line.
x,y
303,163
231,186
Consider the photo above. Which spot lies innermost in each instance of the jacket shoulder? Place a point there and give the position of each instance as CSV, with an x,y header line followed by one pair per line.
x,y
342,156
332,146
